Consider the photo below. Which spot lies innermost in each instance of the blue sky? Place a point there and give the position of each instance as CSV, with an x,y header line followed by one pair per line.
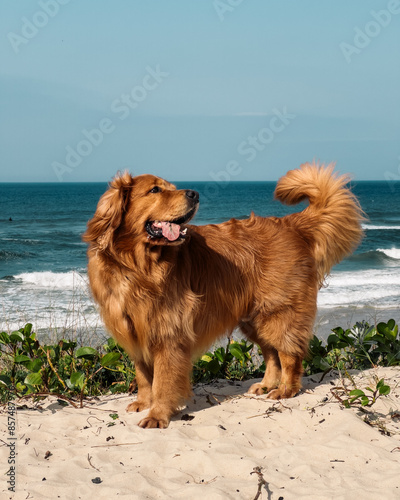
x,y
198,89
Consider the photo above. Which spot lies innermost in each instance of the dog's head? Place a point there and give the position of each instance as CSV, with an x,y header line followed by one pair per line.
x,y
144,209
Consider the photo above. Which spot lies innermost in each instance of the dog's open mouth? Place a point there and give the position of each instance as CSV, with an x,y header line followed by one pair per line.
x,y
170,230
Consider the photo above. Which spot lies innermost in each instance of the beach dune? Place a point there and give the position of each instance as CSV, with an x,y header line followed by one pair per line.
x,y
223,445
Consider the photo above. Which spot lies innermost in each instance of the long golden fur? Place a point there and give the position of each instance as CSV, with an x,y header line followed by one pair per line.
x,y
167,290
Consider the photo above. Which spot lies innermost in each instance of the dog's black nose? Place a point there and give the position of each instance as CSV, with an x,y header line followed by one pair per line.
x,y
192,195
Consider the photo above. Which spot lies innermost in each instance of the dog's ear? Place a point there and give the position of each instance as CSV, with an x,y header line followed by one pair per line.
x,y
109,212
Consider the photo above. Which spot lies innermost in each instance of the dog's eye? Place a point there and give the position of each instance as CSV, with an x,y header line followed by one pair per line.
x,y
155,189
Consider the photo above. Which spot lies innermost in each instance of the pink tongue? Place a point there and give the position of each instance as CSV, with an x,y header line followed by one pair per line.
x,y
170,231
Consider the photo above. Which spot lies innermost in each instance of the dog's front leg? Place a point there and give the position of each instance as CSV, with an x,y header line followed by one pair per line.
x,y
144,379
171,385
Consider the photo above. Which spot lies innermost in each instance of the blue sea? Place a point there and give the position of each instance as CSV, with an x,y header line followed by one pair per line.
x,y
43,260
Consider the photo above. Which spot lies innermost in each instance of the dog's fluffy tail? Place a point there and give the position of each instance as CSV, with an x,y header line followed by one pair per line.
x,y
332,221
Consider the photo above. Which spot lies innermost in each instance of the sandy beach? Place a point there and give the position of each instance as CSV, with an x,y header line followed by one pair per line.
x,y
223,445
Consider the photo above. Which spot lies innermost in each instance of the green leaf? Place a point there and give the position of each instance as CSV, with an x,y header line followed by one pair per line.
x,y
78,379
16,337
385,330
384,390
5,380
27,329
236,351
34,365
321,363
391,324
33,379
213,366
364,401
220,354
4,338
22,358
357,393
111,344
110,359
370,335
381,327
333,339
69,384
246,348
86,352
390,335
20,387
206,357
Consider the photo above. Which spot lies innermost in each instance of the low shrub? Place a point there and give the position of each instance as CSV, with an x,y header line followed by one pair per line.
x,y
359,348
28,368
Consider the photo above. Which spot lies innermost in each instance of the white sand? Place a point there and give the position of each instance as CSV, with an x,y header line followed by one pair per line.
x,y
307,447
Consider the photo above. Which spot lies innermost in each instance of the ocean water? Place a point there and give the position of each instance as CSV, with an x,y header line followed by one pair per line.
x,y
43,260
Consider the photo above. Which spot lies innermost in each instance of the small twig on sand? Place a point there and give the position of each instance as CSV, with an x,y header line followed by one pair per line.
x,y
261,481
208,398
90,463
276,407
92,416
336,395
197,481
117,444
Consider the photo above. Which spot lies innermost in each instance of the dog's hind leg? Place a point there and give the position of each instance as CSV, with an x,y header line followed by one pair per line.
x,y
272,374
282,378
144,380
290,384
283,338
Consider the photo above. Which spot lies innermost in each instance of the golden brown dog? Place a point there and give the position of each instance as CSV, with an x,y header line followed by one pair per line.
x,y
167,290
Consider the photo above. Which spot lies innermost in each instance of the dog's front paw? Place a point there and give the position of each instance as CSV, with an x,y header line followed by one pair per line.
x,y
283,392
137,406
258,389
153,423
263,387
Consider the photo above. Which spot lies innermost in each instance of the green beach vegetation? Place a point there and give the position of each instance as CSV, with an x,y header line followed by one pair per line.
x,y
31,369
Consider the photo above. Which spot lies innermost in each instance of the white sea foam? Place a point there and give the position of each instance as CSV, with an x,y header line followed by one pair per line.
x,y
393,253
362,288
374,227
50,280
51,301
